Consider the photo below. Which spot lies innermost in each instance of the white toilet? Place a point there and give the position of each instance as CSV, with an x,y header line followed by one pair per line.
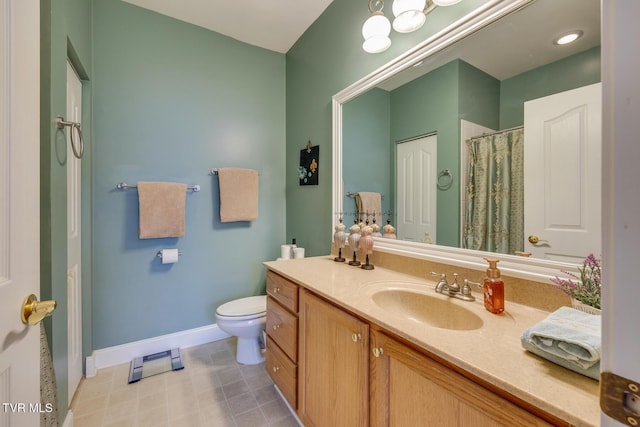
x,y
245,318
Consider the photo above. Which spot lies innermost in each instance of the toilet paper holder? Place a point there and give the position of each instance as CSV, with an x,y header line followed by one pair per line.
x,y
159,254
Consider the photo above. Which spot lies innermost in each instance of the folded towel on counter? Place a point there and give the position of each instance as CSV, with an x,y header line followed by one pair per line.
x,y
369,203
238,194
569,338
161,209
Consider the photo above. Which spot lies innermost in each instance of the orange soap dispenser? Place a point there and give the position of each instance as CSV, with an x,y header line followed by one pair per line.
x,y
493,288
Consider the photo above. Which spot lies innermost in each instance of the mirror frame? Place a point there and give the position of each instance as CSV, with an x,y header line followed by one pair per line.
x,y
522,267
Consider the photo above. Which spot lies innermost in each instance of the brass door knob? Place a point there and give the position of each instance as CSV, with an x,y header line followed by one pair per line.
x,y
355,337
33,311
533,239
377,351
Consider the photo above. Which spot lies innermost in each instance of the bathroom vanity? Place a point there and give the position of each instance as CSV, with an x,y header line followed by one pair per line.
x,y
382,348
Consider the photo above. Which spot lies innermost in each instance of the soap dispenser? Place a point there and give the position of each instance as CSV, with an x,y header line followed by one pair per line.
x,y
493,288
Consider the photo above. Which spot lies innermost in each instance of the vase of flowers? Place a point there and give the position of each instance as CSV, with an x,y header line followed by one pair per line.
x,y
585,291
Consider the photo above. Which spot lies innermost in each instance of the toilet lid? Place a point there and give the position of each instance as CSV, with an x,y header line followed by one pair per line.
x,y
244,307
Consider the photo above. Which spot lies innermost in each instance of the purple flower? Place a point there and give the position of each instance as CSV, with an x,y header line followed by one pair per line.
x,y
587,287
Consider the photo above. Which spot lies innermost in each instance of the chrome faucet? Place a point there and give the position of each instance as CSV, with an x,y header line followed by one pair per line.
x,y
454,289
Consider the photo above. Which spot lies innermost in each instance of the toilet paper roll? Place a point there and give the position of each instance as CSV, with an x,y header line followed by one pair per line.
x,y
285,251
298,253
169,256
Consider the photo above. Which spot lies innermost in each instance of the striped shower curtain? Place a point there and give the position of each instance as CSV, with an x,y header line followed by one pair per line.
x,y
494,211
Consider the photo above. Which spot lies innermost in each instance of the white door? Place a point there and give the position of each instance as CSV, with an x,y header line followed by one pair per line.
x,y
19,209
621,152
416,170
74,225
563,163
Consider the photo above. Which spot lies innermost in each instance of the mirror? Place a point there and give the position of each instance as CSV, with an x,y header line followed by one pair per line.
x,y
507,50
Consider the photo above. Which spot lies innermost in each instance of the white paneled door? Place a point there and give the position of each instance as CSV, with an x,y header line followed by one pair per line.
x,y
563,173
19,210
74,235
416,189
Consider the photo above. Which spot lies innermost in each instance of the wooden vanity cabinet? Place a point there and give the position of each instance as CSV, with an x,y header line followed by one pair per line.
x,y
408,388
333,388
282,335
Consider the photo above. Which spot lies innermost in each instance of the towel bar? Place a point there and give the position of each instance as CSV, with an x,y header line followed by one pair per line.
x,y
352,195
124,186
214,171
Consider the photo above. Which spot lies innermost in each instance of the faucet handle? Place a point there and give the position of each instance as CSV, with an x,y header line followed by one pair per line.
x,y
442,275
466,289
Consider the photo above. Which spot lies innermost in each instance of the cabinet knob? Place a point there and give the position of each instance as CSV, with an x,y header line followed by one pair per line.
x,y
377,351
276,290
276,327
355,337
276,368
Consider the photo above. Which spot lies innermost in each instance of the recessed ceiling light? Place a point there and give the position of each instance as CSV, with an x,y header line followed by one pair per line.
x,y
568,37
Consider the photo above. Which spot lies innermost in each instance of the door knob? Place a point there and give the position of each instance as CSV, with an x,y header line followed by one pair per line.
x,y
355,337
33,311
533,239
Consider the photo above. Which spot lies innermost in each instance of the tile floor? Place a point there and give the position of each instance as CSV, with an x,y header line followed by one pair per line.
x,y
212,390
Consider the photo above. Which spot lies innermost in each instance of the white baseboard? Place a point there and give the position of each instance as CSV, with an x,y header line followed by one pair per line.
x,y
124,353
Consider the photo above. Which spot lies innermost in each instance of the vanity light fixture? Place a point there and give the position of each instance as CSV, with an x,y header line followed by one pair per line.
x,y
446,2
376,29
567,38
409,15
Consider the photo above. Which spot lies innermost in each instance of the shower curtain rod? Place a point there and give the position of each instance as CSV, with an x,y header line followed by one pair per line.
x,y
497,132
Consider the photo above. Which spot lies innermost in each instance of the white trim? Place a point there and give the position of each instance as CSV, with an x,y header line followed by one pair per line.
x,y
124,353
526,268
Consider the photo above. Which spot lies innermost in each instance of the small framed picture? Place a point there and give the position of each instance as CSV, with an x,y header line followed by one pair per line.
x,y
308,169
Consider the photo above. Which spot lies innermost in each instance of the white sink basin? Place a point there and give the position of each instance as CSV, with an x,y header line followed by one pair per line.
x,y
434,310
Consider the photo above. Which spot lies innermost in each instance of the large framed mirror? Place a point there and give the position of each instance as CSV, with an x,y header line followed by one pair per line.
x,y
471,84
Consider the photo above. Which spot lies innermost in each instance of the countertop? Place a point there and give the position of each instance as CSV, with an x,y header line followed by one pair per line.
x,y
492,352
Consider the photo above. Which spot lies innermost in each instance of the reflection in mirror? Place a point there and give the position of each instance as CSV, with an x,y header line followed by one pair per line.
x,y
486,145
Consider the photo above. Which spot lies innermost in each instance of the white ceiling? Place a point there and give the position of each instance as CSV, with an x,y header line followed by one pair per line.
x,y
274,24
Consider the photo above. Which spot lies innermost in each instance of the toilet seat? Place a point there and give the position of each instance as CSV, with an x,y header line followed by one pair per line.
x,y
244,308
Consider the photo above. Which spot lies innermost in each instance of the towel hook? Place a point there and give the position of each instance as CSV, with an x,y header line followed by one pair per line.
x,y
78,152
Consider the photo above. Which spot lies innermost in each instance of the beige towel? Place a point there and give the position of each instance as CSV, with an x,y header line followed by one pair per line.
x,y
369,203
238,194
161,206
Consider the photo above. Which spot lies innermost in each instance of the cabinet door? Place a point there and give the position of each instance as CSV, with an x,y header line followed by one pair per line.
x,y
410,389
333,365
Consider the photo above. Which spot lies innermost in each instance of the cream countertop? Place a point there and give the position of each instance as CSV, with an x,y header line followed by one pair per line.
x,y
493,352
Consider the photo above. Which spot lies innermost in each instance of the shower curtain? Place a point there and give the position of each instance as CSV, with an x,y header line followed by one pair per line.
x,y
494,211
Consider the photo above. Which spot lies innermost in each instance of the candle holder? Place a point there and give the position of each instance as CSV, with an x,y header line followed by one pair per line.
x,y
366,246
354,241
339,238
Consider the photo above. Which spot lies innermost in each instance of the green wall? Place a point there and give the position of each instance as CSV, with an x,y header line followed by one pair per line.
x,y
366,136
65,35
575,71
171,102
325,60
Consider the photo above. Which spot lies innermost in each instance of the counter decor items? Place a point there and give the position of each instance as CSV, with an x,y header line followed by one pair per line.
x,y
339,238
366,245
354,242
585,291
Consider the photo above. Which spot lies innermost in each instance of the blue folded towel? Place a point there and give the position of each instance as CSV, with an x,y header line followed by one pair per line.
x,y
569,338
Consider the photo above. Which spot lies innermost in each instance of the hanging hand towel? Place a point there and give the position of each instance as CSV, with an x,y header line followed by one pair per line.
x,y
161,206
238,194
369,203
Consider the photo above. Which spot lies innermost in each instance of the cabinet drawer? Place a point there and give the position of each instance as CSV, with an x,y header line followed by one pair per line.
x,y
283,290
283,372
282,327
